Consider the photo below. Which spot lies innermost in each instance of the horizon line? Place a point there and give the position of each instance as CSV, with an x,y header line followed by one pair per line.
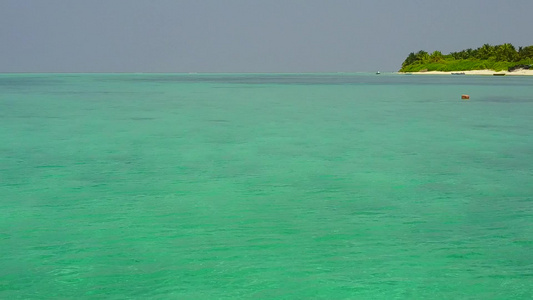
x,y
193,73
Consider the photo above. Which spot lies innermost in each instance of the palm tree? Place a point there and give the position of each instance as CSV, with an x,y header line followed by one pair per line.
x,y
422,56
526,52
470,53
506,52
485,51
436,56
409,60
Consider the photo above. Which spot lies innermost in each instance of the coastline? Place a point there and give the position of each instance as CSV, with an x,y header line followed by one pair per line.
x,y
521,72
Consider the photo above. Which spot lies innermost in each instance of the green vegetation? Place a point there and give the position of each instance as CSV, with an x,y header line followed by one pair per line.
x,y
497,58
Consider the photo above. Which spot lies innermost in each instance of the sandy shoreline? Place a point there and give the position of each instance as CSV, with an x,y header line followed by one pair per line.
x,y
476,72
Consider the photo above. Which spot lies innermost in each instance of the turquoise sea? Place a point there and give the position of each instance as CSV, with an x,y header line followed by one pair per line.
x,y
265,186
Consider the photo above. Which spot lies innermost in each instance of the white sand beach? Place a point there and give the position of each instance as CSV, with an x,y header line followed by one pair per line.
x,y
521,72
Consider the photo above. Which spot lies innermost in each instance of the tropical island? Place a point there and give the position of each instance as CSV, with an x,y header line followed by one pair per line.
x,y
503,58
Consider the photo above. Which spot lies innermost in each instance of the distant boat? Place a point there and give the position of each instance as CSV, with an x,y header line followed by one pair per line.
x,y
499,74
378,73
459,73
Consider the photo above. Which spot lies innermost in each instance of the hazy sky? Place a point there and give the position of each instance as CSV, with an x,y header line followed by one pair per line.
x,y
247,36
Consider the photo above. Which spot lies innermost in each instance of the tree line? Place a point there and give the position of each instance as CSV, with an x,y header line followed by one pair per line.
x,y
486,54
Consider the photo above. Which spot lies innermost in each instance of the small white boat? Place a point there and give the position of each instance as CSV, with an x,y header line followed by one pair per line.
x,y
378,73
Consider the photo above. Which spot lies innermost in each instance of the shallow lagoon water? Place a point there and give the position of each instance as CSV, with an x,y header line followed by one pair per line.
x,y
290,186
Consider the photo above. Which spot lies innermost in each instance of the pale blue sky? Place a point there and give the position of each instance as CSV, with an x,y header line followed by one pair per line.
x,y
247,36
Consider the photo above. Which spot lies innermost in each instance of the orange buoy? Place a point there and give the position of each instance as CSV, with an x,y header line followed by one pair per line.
x,y
465,97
